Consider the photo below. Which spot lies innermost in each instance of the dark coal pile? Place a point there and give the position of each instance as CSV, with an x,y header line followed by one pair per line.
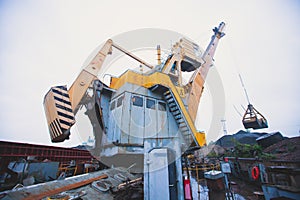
x,y
243,137
286,150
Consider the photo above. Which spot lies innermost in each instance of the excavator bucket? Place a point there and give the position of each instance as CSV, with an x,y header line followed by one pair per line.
x,y
253,119
59,113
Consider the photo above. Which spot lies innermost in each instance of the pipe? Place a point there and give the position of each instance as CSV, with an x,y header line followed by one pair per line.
x,y
158,55
132,55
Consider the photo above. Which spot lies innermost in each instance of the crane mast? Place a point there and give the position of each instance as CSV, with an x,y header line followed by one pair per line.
x,y
196,83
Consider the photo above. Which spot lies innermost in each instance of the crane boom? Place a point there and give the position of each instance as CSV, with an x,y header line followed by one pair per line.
x,y
197,80
61,105
87,75
211,49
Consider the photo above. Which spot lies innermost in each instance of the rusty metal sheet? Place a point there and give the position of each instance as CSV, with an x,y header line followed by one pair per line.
x,y
44,171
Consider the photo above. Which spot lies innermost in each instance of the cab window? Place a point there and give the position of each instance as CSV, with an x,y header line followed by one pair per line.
x,y
137,101
112,105
150,103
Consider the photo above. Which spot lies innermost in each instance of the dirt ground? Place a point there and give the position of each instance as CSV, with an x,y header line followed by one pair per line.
x,y
246,189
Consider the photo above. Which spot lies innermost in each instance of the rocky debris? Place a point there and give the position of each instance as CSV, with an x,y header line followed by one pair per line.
x,y
286,150
269,139
204,151
130,192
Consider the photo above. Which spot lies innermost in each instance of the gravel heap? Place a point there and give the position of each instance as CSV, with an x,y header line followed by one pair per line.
x,y
286,150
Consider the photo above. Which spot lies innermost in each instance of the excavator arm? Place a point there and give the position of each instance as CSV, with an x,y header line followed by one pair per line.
x,y
87,76
61,105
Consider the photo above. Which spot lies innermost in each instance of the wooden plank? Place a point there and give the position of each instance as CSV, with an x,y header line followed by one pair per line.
x,y
54,191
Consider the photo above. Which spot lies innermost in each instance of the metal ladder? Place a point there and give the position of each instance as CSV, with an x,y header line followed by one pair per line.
x,y
179,117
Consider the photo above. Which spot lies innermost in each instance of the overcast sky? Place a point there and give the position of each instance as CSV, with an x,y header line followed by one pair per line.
x,y
45,43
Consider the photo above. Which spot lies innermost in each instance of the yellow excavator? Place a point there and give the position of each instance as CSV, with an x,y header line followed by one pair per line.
x,y
61,104
144,120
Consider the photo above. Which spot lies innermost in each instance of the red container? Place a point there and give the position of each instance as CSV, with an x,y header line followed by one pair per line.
x,y
187,189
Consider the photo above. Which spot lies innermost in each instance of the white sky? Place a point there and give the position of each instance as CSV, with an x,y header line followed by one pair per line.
x,y
45,43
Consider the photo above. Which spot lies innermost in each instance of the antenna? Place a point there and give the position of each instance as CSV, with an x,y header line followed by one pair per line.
x,y
223,121
244,88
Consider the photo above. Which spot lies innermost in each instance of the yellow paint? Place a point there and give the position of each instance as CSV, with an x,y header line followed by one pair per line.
x,y
181,91
200,137
148,81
